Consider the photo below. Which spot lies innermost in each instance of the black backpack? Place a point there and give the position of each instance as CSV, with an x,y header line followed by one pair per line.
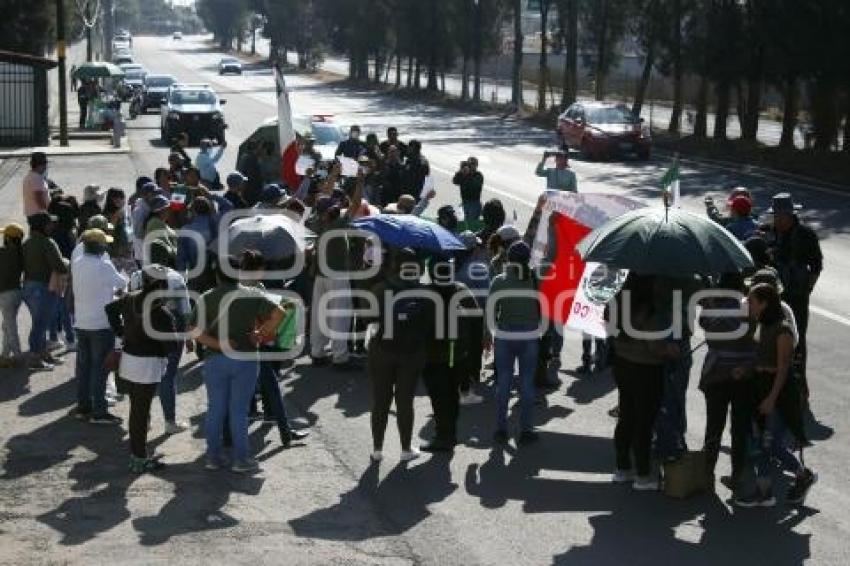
x,y
412,321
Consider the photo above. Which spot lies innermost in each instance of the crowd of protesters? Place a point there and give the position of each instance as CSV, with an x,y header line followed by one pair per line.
x,y
93,272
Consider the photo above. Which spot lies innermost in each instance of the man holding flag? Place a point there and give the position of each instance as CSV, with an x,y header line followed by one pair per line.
x,y
286,133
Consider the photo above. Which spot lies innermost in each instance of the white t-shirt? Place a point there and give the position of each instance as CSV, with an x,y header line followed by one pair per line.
x,y
35,188
142,369
95,281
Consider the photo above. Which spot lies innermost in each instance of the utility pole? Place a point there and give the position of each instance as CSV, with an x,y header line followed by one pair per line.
x,y
63,87
108,29
87,19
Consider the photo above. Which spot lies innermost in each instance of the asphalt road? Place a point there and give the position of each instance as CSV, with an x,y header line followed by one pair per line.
x,y
65,495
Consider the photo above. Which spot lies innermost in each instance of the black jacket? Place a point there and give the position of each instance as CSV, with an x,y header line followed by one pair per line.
x,y
126,319
798,259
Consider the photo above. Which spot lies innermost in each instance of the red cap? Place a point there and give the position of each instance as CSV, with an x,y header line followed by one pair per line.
x,y
741,205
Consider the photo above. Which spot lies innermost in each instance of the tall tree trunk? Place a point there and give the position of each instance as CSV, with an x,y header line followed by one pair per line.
x,y
678,69
789,112
754,87
443,81
570,89
646,74
417,75
825,113
721,111
397,69
543,78
464,76
740,105
410,71
476,53
516,76
701,121
379,66
601,48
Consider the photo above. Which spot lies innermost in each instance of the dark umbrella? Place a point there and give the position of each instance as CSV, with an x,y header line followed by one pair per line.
x,y
276,236
407,231
98,70
672,243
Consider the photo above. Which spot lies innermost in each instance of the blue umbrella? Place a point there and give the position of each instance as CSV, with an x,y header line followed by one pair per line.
x,y
407,231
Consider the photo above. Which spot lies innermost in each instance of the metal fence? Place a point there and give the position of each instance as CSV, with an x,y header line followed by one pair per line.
x,y
23,105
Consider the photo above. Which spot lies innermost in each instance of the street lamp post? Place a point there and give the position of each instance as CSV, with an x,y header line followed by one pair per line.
x,y
63,92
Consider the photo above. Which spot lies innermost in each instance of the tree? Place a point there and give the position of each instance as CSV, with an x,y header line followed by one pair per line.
x,y
649,22
224,18
516,75
568,27
543,75
603,26
678,65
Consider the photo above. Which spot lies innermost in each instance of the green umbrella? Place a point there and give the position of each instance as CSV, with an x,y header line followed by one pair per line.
x,y
98,70
671,243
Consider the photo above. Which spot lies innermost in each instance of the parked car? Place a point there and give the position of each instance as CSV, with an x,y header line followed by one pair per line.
x,y
122,58
229,65
177,35
601,129
156,90
195,110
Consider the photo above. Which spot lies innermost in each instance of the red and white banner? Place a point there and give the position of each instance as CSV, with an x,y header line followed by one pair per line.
x,y
286,133
565,220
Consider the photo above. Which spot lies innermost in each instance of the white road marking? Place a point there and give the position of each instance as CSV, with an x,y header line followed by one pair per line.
x,y
830,315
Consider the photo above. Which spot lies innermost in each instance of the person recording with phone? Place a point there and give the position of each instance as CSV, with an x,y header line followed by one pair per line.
x,y
560,177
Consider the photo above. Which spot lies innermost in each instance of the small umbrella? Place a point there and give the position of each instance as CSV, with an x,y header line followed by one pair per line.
x,y
98,70
410,231
276,236
671,243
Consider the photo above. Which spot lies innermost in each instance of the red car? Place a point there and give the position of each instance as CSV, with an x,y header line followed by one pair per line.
x,y
602,129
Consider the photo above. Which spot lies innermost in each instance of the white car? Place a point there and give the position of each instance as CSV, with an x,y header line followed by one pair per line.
x,y
229,65
177,35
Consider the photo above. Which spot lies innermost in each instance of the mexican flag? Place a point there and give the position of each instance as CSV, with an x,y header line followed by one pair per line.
x,y
565,220
670,184
286,133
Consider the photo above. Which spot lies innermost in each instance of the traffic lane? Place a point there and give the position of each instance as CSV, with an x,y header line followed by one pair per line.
x,y
508,152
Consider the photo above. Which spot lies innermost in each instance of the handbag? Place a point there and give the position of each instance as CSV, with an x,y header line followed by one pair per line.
x,y
686,476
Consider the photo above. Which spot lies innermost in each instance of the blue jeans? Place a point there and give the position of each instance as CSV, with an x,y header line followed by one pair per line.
x,y
92,349
672,421
230,385
168,385
272,399
63,322
471,211
773,438
42,306
508,351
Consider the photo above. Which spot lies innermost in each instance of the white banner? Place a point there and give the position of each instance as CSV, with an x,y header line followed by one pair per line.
x,y
597,287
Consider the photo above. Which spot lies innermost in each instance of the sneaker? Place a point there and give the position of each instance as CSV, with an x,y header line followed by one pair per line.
x,y
53,360
212,464
798,491
623,476
70,346
292,435
174,427
645,483
40,365
144,465
246,466
106,419
80,414
757,498
111,401
470,398
410,455
528,437
54,344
